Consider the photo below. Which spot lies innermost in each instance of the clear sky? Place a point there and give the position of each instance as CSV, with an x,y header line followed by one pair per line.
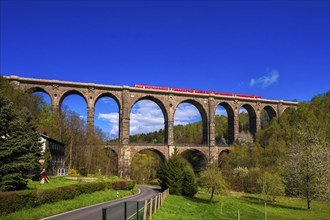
x,y
275,49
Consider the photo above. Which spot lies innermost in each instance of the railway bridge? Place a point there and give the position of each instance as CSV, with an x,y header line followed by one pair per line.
x,y
167,99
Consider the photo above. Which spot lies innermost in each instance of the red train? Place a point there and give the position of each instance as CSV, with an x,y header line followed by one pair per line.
x,y
142,86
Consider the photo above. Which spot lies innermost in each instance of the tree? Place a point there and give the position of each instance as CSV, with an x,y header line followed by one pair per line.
x,y
241,173
307,165
20,147
178,176
211,178
271,185
189,185
143,168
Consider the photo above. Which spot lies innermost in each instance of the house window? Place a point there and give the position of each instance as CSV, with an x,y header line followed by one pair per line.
x,y
61,171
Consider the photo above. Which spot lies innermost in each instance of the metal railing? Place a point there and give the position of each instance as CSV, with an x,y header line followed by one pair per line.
x,y
135,210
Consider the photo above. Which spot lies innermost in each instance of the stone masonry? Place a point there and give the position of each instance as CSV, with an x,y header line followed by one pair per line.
x,y
168,101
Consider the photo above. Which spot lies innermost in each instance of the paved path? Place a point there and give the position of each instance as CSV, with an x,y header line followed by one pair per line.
x,y
95,211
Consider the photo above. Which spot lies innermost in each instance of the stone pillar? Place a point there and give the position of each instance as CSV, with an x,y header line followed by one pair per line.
x,y
236,124
90,119
170,132
55,98
231,127
124,119
170,150
258,122
279,109
170,125
211,124
213,157
90,110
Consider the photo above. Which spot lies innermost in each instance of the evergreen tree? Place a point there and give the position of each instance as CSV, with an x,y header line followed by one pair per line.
x,y
189,185
178,176
20,149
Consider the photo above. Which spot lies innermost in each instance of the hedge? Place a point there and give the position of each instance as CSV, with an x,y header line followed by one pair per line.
x,y
15,200
123,184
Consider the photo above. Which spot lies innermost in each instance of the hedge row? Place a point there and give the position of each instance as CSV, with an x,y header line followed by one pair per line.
x,y
15,200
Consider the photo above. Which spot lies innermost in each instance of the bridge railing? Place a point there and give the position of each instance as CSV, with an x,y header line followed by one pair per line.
x,y
135,210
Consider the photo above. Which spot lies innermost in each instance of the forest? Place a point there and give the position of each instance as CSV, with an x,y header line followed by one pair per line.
x,y
292,152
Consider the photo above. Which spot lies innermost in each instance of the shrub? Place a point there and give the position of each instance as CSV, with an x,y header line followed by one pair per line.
x,y
15,200
154,182
83,171
120,185
131,184
73,172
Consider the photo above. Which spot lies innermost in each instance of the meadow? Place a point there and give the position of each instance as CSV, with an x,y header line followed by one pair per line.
x,y
249,206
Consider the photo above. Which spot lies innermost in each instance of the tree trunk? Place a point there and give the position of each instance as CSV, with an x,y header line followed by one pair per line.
x,y
309,201
212,194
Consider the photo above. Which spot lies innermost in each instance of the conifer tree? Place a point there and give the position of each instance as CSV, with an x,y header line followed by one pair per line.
x,y
178,176
20,149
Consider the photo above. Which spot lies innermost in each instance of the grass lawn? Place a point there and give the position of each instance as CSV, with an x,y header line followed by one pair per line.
x,y
54,182
66,205
249,206
58,181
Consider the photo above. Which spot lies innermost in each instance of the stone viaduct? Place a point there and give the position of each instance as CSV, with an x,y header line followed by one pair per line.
x,y
168,101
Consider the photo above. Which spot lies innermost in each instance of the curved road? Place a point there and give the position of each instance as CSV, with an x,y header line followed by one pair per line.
x,y
95,211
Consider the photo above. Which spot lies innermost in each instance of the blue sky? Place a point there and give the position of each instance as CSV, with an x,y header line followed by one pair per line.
x,y
275,49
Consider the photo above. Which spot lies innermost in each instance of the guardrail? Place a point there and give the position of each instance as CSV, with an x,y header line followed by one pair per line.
x,y
135,210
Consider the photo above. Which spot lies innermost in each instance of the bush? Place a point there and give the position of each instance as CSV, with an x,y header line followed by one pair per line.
x,y
131,184
154,182
15,200
251,180
83,171
73,172
120,185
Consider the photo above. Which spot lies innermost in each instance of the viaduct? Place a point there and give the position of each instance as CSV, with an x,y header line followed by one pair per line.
x,y
167,100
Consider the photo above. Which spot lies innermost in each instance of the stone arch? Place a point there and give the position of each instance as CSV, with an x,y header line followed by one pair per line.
x,y
72,92
196,158
157,152
163,109
288,108
40,89
271,113
110,95
252,118
112,165
203,114
231,121
109,125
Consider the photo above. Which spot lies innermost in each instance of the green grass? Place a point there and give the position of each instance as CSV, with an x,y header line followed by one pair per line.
x,y
54,182
66,205
249,206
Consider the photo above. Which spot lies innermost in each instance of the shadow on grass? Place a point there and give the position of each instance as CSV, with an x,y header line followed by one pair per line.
x,y
260,201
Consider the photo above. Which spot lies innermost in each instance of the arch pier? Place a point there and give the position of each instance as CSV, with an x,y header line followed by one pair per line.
x,y
167,100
